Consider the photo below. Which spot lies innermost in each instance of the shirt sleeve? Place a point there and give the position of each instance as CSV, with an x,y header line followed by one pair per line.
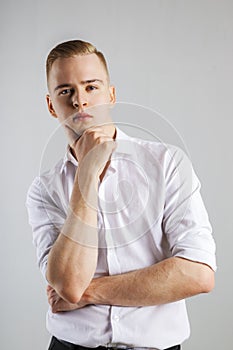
x,y
46,220
186,223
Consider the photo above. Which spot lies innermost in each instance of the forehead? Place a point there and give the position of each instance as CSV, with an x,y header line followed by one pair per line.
x,y
85,67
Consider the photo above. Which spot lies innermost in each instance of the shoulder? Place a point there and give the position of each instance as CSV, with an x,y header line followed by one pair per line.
x,y
46,182
167,155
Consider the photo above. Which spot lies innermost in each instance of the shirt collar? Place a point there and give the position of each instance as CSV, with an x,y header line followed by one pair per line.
x,y
123,146
68,158
124,143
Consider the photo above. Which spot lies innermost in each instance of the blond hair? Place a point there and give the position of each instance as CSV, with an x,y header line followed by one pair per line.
x,y
72,48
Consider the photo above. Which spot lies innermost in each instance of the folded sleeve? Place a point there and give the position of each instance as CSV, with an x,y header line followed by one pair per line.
x,y
186,223
46,220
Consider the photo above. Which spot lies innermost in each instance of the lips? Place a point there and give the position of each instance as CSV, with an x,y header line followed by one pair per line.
x,y
81,116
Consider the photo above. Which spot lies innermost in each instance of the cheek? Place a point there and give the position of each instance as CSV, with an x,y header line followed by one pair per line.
x,y
102,97
101,111
63,109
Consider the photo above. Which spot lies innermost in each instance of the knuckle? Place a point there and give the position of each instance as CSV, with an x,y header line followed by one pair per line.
x,y
97,138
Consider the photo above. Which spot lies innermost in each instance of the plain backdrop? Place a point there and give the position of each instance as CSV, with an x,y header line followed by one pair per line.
x,y
172,56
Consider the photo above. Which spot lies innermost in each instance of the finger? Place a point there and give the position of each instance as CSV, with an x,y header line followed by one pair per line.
x,y
95,132
53,301
76,136
52,298
53,308
49,288
94,128
56,307
50,292
50,301
99,139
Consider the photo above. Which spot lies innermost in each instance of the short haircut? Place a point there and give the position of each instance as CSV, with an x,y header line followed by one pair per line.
x,y
72,48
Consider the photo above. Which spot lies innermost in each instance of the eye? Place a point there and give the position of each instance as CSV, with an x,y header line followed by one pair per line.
x,y
91,88
66,92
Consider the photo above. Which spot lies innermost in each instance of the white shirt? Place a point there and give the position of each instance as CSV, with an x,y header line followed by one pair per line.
x,y
150,208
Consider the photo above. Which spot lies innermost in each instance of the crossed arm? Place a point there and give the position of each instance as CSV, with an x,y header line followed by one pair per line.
x,y
167,281
72,260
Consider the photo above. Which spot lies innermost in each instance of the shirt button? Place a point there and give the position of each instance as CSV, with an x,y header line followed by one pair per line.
x,y
116,318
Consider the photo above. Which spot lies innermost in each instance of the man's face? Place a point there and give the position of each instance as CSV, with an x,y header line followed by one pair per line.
x,y
79,93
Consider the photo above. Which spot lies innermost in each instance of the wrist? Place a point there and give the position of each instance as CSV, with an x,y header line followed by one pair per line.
x,y
85,193
90,294
88,170
86,178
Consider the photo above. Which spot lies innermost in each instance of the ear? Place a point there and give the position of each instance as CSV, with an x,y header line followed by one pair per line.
x,y
50,106
112,92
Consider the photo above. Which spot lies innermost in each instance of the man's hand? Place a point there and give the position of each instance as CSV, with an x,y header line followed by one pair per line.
x,y
73,257
58,304
94,148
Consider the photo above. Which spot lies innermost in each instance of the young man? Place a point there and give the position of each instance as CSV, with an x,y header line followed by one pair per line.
x,y
119,262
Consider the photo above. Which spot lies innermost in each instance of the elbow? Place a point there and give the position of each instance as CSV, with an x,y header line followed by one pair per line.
x,y
200,278
209,285
70,292
207,280
71,295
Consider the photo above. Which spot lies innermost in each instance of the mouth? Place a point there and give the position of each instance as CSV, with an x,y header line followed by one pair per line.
x,y
81,117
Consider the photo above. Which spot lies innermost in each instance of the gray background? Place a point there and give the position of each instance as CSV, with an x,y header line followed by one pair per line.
x,y
172,56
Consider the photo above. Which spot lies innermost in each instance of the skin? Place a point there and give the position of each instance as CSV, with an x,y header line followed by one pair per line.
x,y
168,281
72,260
73,257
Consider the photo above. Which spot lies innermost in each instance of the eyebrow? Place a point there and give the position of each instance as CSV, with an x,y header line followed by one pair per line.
x,y
91,81
84,82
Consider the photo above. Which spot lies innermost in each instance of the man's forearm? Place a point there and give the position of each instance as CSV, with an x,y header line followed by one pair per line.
x,y
73,257
167,281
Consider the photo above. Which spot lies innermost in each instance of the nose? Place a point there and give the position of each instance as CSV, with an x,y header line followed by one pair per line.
x,y
79,101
